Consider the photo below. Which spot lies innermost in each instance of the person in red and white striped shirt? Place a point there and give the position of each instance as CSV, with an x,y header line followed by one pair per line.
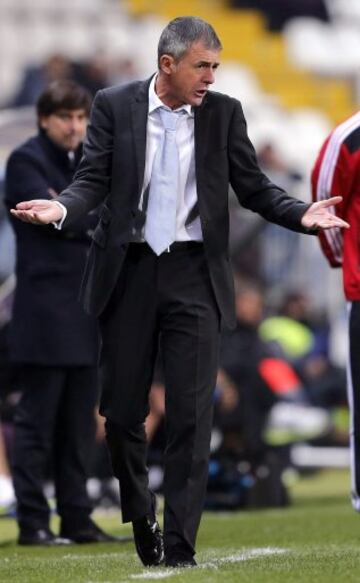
x,y
337,172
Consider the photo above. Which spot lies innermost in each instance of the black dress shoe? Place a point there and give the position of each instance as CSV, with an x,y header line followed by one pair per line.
x,y
179,558
41,536
149,539
89,533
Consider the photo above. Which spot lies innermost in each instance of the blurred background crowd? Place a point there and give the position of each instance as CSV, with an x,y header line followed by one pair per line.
x,y
295,66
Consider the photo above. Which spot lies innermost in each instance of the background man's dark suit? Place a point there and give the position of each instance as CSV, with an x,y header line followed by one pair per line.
x,y
116,287
52,340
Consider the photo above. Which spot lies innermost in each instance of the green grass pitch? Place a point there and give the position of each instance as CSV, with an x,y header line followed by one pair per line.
x,y
315,540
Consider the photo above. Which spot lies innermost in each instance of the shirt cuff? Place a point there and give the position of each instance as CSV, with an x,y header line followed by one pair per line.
x,y
58,224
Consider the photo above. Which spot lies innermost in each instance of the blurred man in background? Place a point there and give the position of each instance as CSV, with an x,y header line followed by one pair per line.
x,y
52,341
337,171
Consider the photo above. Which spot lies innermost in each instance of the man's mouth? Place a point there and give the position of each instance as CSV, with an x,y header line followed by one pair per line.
x,y
200,92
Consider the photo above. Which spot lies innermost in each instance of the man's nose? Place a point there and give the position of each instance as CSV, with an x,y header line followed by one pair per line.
x,y
209,77
76,125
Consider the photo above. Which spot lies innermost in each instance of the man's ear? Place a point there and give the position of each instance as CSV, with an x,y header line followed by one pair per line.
x,y
167,64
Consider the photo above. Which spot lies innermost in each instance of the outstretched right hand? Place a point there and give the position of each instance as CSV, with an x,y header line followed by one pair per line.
x,y
38,212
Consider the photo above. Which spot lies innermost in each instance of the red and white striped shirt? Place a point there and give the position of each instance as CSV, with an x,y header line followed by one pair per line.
x,y
337,172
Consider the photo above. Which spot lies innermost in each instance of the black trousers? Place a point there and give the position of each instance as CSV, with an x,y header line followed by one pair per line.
x,y
167,300
54,422
353,386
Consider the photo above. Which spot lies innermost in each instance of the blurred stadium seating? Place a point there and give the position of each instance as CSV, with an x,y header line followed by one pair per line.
x,y
301,76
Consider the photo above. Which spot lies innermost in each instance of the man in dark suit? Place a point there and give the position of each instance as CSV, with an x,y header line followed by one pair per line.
x,y
53,343
159,273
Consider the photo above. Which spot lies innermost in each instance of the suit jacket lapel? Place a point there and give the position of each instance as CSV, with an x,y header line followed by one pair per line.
x,y
202,121
139,114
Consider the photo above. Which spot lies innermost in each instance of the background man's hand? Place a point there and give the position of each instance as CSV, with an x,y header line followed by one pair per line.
x,y
319,217
38,212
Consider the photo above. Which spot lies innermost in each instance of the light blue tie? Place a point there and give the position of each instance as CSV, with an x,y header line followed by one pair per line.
x,y
160,224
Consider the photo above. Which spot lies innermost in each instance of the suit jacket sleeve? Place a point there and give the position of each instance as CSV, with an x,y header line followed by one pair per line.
x,y
92,180
252,188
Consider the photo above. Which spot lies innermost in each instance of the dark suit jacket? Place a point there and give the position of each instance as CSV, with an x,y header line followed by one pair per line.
x,y
112,171
49,326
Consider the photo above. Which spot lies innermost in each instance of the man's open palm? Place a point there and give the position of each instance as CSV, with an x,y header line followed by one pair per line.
x,y
318,215
38,212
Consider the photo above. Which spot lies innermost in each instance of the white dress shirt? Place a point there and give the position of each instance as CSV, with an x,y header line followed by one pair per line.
x,y
186,193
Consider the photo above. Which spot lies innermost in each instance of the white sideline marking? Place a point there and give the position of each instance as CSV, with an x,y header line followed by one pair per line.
x,y
156,574
214,562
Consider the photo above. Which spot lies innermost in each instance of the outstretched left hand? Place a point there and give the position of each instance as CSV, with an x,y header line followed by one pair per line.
x,y
318,217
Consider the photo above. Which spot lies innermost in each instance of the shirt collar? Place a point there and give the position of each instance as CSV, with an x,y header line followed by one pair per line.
x,y
156,103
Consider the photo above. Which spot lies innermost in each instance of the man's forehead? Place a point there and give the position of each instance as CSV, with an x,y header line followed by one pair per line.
x,y
67,111
200,52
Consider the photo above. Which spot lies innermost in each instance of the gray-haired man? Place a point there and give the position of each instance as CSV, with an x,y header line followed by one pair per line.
x,y
159,271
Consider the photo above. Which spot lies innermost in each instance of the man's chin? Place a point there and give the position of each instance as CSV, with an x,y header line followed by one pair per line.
x,y
198,99
72,145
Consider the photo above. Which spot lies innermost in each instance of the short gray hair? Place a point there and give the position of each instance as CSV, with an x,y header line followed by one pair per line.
x,y
178,36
